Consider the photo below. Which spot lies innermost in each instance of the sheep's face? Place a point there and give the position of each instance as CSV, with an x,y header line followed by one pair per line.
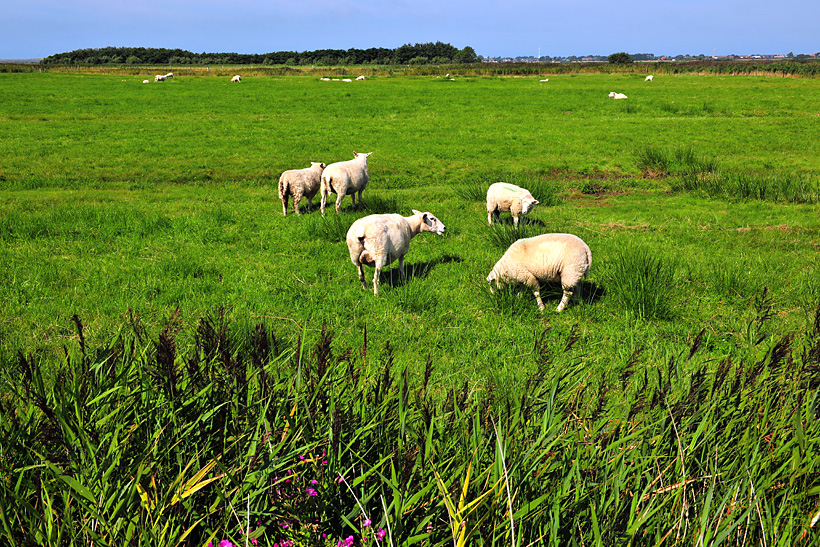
x,y
433,224
319,165
527,203
361,155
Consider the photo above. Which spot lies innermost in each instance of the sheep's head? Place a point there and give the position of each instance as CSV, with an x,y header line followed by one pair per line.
x,y
429,223
320,165
361,155
527,203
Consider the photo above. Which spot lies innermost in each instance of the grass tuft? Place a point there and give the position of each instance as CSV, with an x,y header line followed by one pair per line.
x,y
642,282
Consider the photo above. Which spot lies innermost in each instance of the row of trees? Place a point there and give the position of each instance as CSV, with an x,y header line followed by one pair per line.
x,y
429,53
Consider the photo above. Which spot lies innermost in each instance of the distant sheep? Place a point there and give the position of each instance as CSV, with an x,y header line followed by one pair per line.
x,y
617,95
325,79
345,177
298,183
378,240
360,78
146,81
548,257
503,197
347,80
544,80
236,78
649,78
169,75
159,78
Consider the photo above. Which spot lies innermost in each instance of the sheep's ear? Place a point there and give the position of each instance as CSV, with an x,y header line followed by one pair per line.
x,y
415,212
535,201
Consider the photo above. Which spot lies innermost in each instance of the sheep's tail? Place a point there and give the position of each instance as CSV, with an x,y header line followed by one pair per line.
x,y
325,185
589,260
282,187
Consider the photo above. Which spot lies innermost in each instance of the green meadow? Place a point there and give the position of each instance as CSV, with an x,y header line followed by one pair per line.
x,y
173,349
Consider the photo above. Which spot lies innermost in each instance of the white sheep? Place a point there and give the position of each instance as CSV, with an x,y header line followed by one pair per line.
x,y
159,78
146,81
360,78
544,80
548,257
236,78
325,79
614,95
345,177
378,240
649,78
347,80
503,197
169,75
300,182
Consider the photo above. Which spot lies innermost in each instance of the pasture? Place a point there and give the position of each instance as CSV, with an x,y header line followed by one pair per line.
x,y
677,400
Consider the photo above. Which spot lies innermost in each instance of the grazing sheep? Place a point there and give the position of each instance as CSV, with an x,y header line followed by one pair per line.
x,y
544,80
548,257
649,78
169,75
614,95
345,177
347,80
360,78
146,81
378,240
300,182
236,78
159,78
325,79
503,197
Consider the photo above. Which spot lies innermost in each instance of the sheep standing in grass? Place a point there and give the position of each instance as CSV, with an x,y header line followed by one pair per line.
x,y
649,78
159,78
378,240
548,257
614,95
503,197
345,177
298,183
236,78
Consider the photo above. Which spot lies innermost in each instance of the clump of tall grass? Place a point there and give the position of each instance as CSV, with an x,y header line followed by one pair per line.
x,y
504,233
377,205
654,161
748,185
642,282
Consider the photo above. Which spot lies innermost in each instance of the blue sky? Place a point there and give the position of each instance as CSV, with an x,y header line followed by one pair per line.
x,y
38,28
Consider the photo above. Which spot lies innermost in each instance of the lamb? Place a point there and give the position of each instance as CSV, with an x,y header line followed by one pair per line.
x,y
378,240
236,78
649,78
503,197
548,257
300,182
617,95
345,177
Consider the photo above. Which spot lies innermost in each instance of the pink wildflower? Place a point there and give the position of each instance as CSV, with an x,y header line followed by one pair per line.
x,y
381,534
254,541
226,543
311,492
366,523
314,481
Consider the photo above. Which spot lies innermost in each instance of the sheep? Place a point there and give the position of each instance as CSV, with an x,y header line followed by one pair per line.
x,y
346,80
614,95
325,79
146,81
300,182
345,177
159,78
649,78
236,78
544,80
169,75
503,197
548,257
378,240
360,78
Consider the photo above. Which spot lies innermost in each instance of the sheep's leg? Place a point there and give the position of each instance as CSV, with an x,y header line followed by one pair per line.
x,y
567,295
310,203
296,199
285,205
531,282
360,196
515,220
401,268
323,202
376,280
361,275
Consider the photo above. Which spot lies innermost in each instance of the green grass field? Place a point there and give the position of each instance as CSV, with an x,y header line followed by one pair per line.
x,y
150,212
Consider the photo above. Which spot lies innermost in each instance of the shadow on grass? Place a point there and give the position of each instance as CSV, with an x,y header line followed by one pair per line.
x,y
417,270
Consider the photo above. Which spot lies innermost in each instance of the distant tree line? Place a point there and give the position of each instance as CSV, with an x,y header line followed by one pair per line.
x,y
429,53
